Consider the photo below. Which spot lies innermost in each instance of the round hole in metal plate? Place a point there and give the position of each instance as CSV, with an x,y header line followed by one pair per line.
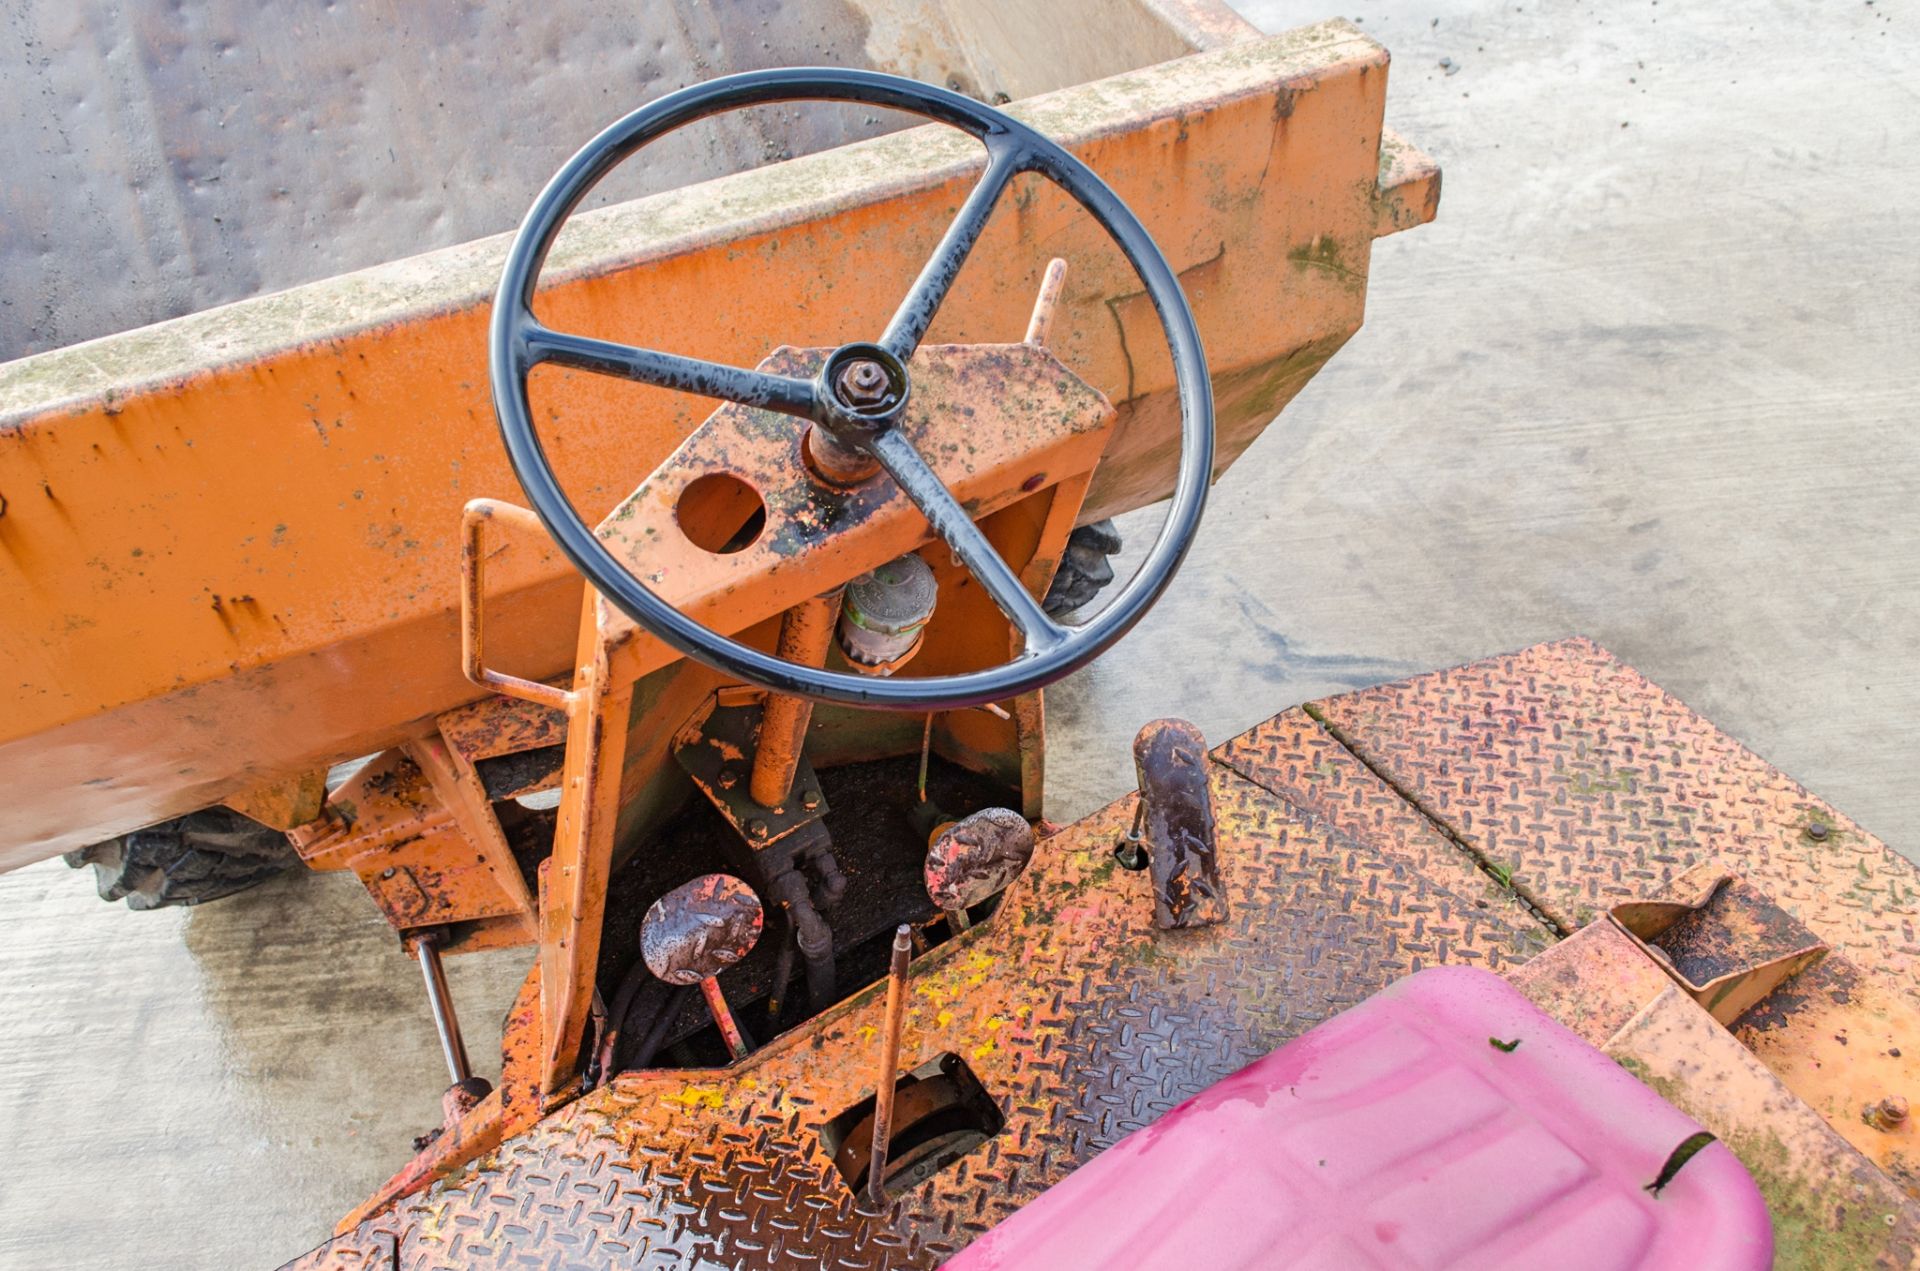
x,y
720,513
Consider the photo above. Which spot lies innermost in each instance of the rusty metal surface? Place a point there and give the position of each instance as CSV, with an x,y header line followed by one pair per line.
x,y
1029,423
307,616
1084,1023
977,857
425,861
355,1251
1419,873
1730,949
717,750
495,726
1175,825
1588,785
1082,1020
1032,429
700,928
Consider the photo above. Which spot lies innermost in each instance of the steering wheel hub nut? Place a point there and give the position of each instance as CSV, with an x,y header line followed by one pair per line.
x,y
863,384
885,614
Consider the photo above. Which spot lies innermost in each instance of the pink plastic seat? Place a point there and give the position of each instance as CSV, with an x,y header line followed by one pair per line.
x,y
1396,1135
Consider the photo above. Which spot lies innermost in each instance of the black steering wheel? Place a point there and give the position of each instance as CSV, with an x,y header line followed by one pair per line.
x,y
862,421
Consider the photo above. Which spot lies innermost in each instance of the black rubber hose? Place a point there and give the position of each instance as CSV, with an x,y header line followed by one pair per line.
x,y
676,1002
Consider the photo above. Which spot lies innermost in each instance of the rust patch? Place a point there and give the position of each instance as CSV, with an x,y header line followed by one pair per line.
x,y
1175,824
701,928
977,857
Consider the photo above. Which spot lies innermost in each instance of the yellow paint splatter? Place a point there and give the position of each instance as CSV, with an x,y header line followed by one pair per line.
x,y
936,994
691,1097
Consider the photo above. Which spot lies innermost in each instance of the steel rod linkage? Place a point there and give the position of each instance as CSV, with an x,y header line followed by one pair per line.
x,y
889,1063
440,1001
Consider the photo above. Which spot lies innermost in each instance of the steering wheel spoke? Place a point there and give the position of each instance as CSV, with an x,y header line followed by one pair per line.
x,y
781,393
915,314
950,521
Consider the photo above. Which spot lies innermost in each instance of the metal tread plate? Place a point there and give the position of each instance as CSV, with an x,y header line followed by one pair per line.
x,y
1590,785
1082,1020
1465,816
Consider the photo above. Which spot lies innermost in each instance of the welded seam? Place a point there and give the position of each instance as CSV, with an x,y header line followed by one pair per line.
x,y
1499,873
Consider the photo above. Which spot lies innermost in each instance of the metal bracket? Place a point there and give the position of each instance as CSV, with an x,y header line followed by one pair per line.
x,y
1728,950
717,752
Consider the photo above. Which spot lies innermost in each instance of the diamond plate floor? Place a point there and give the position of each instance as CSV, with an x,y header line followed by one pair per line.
x,y
1591,785
1467,816
1082,1020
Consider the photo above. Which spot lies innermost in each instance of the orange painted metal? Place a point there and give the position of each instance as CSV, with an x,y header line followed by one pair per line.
x,y
1588,786
286,804
1029,423
474,519
1030,426
1080,1019
1729,946
395,826
224,555
1345,871
1843,1039
806,633
459,789
574,879
1831,1204
496,726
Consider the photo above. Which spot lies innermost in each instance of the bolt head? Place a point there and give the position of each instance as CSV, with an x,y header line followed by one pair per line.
x,y
729,778
862,383
810,799
757,828
1818,831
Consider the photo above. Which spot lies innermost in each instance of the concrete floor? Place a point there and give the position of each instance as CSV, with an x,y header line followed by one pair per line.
x,y
1647,378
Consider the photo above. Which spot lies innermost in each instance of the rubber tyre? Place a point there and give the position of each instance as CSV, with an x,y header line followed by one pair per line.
x,y
186,861
1086,569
